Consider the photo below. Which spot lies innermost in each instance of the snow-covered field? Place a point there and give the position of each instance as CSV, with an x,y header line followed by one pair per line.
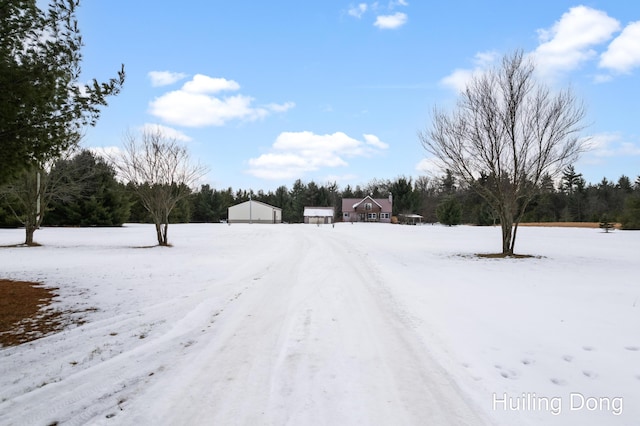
x,y
365,324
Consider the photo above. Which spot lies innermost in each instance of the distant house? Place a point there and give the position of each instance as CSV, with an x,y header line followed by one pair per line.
x,y
367,209
254,212
318,215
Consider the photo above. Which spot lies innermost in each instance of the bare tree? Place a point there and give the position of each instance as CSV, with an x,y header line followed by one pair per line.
x,y
507,131
35,187
161,173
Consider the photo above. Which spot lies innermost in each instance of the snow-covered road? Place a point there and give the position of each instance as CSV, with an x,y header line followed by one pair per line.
x,y
295,328
314,339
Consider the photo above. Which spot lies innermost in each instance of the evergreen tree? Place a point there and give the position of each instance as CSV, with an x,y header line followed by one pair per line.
x,y
203,205
449,211
181,213
7,218
428,194
624,185
312,196
405,199
570,179
298,196
43,107
574,188
631,215
347,192
100,201
605,224
448,183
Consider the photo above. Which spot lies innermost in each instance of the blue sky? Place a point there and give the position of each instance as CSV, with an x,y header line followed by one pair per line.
x,y
266,92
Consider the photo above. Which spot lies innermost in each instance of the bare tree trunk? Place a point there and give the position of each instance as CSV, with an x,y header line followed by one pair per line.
x,y
165,234
513,239
159,234
162,232
507,240
29,231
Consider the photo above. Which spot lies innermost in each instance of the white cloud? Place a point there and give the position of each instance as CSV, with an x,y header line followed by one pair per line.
x,y
168,132
205,84
569,43
459,78
198,110
165,78
385,19
194,105
606,147
629,149
599,144
357,11
602,78
611,144
429,166
623,53
391,22
106,152
373,140
296,153
280,107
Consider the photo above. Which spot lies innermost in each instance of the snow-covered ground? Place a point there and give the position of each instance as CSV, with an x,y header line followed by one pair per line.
x,y
365,324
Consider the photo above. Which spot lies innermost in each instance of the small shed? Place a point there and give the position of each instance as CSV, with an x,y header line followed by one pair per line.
x,y
318,215
410,219
253,211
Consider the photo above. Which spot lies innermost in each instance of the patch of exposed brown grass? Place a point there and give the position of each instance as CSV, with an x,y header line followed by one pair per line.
x,y
23,312
26,313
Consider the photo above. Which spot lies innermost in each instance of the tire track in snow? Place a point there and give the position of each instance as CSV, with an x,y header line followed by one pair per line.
x,y
95,389
318,341
356,359
225,380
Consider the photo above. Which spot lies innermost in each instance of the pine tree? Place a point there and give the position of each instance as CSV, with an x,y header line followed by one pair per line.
x,y
43,106
449,211
100,200
631,214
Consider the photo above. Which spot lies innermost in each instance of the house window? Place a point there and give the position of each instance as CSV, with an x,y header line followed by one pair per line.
x,y
368,206
372,216
384,215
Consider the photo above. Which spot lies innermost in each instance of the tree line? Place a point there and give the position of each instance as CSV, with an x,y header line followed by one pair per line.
x,y
84,191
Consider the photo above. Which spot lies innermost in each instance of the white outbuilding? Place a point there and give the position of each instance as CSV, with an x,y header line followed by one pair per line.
x,y
253,211
318,215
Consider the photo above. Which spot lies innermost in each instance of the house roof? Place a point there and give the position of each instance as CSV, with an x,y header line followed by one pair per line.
x,y
318,211
355,206
350,204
